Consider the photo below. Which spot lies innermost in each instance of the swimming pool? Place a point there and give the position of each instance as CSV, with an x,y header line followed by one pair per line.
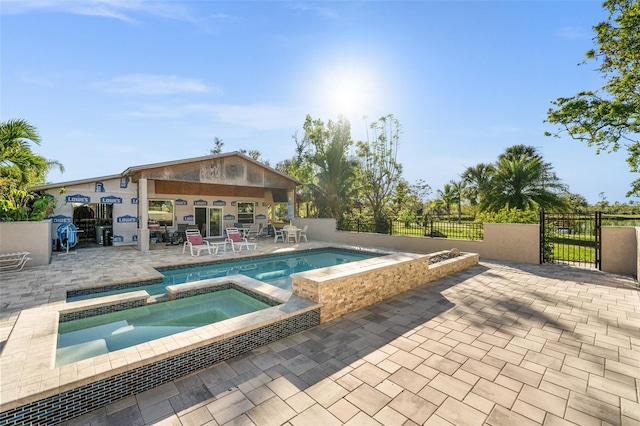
x,y
96,335
272,269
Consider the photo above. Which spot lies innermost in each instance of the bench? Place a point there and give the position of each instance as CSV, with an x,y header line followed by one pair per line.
x,y
14,261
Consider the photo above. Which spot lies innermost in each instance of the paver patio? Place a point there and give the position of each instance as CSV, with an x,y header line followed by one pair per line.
x,y
499,344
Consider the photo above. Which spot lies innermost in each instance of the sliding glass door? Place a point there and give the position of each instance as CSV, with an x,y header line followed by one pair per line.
x,y
209,221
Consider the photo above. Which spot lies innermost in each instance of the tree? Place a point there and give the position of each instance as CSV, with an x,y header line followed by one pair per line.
x,y
609,118
334,173
217,146
21,168
522,183
380,172
447,196
459,189
477,180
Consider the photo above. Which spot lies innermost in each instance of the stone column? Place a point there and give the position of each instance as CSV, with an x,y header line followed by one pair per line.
x,y
143,210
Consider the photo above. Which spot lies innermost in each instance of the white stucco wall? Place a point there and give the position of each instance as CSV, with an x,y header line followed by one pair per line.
x,y
33,237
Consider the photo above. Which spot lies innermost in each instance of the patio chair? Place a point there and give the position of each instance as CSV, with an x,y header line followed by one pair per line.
x,y
196,244
235,238
253,232
303,234
290,233
279,233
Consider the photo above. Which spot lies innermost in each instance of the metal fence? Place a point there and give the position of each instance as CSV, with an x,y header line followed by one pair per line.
x,y
441,229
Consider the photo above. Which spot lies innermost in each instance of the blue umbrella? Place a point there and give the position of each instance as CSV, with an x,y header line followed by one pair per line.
x,y
290,210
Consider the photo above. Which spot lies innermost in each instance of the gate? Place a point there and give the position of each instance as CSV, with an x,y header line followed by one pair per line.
x,y
570,238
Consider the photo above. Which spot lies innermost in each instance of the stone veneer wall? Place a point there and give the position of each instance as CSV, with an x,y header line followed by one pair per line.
x,y
344,293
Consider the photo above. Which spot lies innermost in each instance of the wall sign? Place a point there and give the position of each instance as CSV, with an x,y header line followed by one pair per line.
x,y
78,198
127,219
181,202
200,203
61,219
111,199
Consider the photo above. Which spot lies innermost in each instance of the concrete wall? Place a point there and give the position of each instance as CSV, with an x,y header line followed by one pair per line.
x,y
34,237
511,242
619,252
502,241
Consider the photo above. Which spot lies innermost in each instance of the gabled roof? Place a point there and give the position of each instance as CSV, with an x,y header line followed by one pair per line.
x,y
137,169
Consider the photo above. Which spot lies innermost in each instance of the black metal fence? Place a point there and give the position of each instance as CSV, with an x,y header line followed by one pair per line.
x,y
440,229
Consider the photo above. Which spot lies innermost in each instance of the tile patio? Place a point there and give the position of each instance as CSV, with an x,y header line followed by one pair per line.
x,y
498,344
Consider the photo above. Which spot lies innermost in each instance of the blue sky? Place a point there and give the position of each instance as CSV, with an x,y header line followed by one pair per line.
x,y
113,84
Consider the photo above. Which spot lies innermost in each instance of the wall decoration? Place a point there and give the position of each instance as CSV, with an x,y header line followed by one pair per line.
x,y
200,202
219,203
127,219
233,203
261,216
229,217
78,198
134,201
181,202
124,182
111,199
61,219
99,187
188,218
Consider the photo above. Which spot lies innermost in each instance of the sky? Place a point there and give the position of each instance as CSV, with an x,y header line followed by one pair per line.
x,y
114,84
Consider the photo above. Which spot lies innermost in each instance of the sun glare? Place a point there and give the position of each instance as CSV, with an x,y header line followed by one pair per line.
x,y
348,91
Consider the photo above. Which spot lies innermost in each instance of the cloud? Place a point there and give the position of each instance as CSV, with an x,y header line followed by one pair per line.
x,y
255,117
323,12
123,10
155,84
570,33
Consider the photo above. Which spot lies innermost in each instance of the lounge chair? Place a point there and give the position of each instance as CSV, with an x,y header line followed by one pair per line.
x,y
235,238
253,232
196,244
14,261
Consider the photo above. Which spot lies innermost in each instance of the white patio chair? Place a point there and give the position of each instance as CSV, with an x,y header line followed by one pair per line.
x,y
196,244
235,238
290,233
278,234
303,234
253,232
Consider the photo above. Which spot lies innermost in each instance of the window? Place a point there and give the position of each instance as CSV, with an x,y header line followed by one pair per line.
x,y
161,211
245,212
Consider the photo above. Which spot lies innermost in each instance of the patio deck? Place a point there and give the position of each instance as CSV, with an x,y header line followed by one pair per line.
x,y
499,343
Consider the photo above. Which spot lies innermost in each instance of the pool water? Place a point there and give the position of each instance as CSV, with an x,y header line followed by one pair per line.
x,y
88,337
274,270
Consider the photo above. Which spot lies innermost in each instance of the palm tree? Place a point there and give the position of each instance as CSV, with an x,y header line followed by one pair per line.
x,y
459,188
522,182
448,196
477,179
18,164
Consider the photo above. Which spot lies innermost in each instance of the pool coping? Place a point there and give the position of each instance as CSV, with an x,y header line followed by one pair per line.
x,y
28,366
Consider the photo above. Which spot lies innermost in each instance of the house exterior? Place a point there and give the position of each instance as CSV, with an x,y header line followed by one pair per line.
x,y
141,204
